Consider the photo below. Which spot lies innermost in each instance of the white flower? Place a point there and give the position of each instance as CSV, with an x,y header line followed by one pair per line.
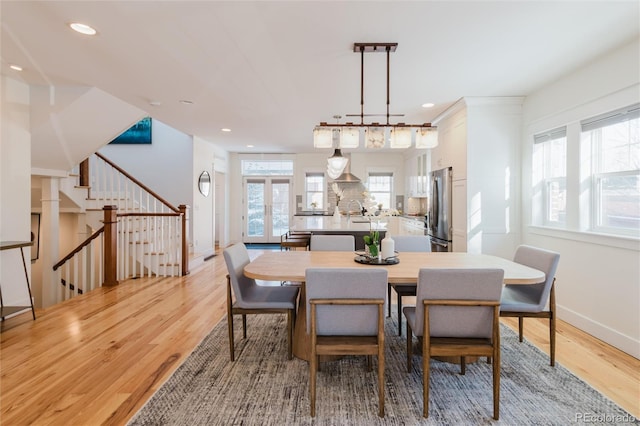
x,y
337,190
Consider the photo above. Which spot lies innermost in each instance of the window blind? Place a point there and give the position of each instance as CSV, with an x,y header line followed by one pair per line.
x,y
560,132
612,117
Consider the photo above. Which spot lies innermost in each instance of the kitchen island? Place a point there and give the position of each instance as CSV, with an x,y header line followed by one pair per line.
x,y
358,226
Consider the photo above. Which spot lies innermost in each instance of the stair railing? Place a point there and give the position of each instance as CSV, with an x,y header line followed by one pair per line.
x,y
142,235
81,270
150,224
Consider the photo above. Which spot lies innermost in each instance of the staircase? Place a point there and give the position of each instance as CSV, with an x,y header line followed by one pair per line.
x,y
138,233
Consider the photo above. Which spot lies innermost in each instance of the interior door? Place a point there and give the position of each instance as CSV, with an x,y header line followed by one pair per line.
x,y
266,215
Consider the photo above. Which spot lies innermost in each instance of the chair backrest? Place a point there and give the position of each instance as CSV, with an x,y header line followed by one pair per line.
x,y
237,257
345,283
542,260
418,243
458,284
332,243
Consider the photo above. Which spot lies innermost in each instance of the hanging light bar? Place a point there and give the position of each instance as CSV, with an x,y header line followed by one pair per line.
x,y
401,134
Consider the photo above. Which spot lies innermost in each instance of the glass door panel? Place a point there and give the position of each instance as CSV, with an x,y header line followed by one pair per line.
x,y
267,202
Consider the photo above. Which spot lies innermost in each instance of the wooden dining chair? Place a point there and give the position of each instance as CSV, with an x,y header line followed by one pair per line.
x,y
531,300
457,315
416,243
251,298
345,316
332,243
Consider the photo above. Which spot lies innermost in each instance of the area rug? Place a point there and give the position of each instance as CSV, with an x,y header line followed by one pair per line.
x,y
262,387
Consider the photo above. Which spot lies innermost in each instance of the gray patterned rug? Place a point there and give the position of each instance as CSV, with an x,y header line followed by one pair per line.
x,y
262,388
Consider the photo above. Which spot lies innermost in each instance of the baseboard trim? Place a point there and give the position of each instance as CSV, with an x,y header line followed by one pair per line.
x,y
607,334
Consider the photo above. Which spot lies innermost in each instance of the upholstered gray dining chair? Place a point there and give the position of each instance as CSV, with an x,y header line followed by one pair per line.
x,y
531,300
412,243
345,316
251,298
332,243
457,314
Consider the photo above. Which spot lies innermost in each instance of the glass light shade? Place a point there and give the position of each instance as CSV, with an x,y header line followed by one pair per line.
x,y
427,137
349,137
333,174
322,137
337,161
374,137
400,137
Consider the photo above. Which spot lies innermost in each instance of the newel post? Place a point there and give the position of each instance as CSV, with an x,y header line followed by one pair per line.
x,y
110,245
185,244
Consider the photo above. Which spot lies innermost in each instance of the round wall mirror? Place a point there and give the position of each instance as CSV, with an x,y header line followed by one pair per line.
x,y
204,183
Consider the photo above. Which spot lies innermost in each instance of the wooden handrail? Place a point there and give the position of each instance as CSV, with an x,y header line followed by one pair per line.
x,y
80,247
148,214
137,182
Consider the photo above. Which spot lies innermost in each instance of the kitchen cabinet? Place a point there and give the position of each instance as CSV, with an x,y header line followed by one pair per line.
x,y
480,139
411,226
416,174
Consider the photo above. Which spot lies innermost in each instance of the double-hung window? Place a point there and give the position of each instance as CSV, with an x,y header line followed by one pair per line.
x,y
613,140
381,188
550,176
314,186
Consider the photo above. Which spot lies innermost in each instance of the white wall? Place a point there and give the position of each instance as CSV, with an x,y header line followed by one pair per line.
x,y
165,166
206,157
598,278
15,188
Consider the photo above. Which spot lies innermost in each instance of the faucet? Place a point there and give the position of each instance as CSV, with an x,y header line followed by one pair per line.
x,y
349,208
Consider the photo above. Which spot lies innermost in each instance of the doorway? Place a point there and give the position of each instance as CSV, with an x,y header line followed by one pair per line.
x,y
266,208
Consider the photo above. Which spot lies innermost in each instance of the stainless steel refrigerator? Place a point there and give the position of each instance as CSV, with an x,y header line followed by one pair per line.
x,y
438,220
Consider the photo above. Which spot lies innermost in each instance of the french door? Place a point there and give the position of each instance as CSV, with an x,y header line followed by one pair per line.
x,y
266,208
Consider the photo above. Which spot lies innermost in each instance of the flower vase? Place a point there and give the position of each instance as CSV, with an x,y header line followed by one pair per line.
x,y
336,215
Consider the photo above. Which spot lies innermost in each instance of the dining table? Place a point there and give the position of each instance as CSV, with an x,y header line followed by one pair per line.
x,y
292,265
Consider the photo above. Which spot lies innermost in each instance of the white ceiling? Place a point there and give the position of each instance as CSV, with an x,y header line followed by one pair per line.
x,y
271,70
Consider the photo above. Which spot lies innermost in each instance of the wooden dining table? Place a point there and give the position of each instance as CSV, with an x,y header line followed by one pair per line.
x,y
292,265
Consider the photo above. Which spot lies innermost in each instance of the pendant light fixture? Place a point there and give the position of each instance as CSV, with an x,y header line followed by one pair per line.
x,y
401,134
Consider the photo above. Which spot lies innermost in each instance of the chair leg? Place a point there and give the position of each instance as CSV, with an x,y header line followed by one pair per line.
x,y
463,365
552,339
230,325
520,327
426,358
399,314
552,324
290,314
244,326
230,319
369,363
313,366
381,380
389,301
496,382
409,347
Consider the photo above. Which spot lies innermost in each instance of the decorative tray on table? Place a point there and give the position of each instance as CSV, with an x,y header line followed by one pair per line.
x,y
365,259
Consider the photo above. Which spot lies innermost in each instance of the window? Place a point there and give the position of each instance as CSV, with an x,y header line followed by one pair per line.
x,y
380,188
550,176
267,167
314,190
613,139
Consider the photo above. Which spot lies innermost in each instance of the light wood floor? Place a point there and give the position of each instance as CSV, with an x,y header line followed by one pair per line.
x,y
97,359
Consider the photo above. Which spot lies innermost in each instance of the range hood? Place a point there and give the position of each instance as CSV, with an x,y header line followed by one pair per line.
x,y
346,176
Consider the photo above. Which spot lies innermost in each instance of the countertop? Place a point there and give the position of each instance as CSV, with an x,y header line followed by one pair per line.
x,y
326,223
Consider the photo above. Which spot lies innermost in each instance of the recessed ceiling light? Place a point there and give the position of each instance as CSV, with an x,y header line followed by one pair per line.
x,y
186,102
428,105
249,146
15,67
155,103
225,130
83,28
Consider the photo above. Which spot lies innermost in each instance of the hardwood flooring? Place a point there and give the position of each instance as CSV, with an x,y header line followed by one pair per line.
x,y
97,359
